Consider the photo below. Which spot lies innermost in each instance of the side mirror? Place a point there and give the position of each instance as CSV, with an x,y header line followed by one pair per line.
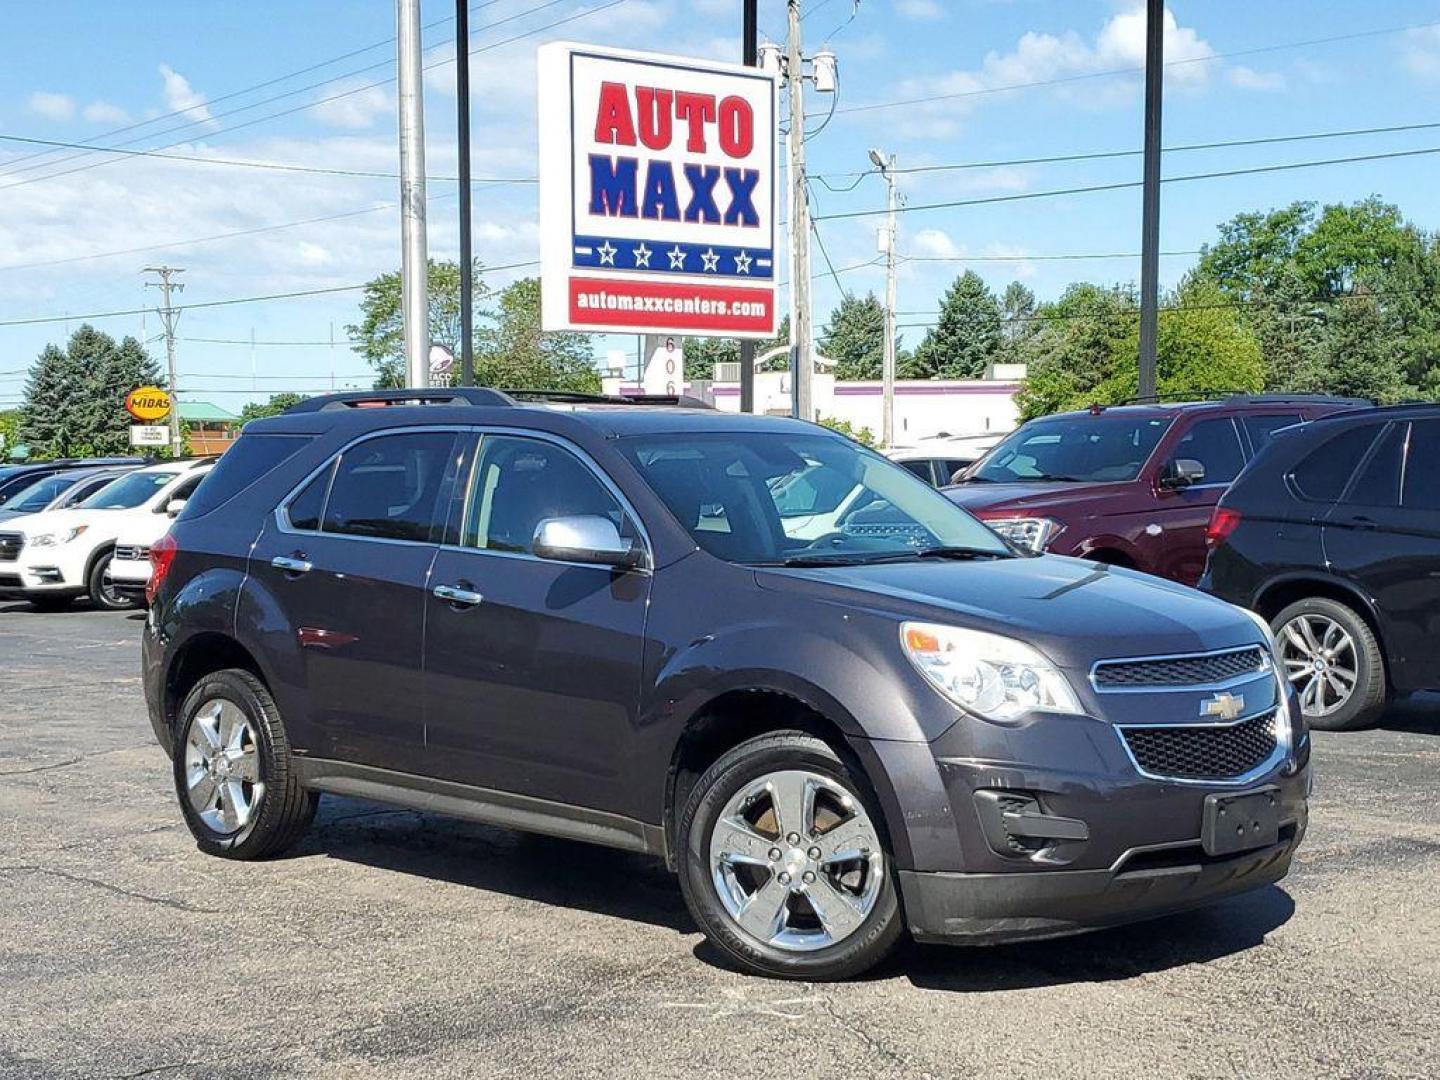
x,y
1182,473
586,538
174,506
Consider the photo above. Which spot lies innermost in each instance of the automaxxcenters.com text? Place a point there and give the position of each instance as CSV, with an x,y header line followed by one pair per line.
x,y
699,307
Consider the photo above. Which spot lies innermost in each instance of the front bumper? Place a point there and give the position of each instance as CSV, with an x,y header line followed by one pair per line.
x,y
1146,882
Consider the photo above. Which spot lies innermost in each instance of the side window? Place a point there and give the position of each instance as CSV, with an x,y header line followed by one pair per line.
x,y
388,487
952,468
1378,482
1215,445
518,482
182,490
1261,427
1321,475
919,468
305,508
1422,476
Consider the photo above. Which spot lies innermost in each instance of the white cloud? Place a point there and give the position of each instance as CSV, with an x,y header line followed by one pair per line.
x,y
1245,78
355,111
51,106
180,96
919,9
102,112
313,254
1420,52
935,244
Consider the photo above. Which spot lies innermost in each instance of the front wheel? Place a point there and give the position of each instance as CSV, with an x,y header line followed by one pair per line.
x,y
785,862
1334,661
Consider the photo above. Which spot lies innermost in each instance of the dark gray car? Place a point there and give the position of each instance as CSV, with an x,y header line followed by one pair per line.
x,y
629,625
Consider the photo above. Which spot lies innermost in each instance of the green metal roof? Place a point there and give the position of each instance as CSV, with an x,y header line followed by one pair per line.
x,y
205,412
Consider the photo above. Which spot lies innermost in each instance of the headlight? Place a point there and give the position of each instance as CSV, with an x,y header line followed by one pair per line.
x,y
56,538
998,677
1029,533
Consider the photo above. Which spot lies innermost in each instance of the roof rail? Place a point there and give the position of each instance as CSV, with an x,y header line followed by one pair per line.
x,y
1281,399
1181,398
371,399
577,397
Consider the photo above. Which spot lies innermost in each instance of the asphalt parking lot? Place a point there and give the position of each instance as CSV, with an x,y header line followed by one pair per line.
x,y
398,943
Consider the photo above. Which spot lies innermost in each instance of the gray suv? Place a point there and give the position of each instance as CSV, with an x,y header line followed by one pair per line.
x,y
836,721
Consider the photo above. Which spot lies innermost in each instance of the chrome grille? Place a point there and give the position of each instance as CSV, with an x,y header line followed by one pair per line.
x,y
132,553
10,545
1170,671
1203,751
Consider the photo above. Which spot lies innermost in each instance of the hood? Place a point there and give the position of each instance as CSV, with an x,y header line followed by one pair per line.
x,y
48,521
989,499
1074,611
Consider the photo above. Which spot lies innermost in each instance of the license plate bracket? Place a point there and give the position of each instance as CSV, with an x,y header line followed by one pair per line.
x,y
1241,822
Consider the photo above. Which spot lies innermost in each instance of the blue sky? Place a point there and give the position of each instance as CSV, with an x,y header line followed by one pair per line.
x,y
1249,71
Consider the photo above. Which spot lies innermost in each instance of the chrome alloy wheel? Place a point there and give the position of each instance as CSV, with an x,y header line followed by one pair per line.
x,y
222,766
796,860
1320,661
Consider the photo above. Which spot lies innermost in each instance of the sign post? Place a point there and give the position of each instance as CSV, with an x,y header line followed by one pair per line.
x,y
657,194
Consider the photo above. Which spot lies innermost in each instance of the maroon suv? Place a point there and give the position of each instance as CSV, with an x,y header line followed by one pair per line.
x,y
1131,485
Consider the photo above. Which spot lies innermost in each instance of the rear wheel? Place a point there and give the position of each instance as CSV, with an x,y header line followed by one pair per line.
x,y
102,590
785,864
1334,662
233,772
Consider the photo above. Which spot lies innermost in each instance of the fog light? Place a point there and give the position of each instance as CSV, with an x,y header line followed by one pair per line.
x,y
1016,825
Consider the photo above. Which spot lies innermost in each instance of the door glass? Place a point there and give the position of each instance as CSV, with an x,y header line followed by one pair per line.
x,y
520,482
388,487
1260,428
1321,476
305,509
1378,483
1215,445
1422,466
919,468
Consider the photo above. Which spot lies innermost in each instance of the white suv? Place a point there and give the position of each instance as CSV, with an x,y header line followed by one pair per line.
x,y
52,557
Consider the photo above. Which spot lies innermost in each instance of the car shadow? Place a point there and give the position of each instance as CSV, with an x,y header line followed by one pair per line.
x,y
1418,715
623,885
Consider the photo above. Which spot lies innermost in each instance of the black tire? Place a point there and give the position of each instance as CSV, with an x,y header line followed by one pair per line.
x,y
102,594
283,810
1371,691
50,603
869,944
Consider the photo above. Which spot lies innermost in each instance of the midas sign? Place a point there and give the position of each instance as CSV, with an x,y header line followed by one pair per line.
x,y
657,194
148,403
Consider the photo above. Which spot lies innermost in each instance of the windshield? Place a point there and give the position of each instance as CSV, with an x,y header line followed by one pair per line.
x,y
39,494
1091,449
764,498
128,492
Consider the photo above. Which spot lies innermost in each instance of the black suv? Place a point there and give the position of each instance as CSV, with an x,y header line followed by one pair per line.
x,y
1333,535
605,622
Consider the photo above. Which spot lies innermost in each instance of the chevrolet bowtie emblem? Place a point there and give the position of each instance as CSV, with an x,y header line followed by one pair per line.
x,y
1224,706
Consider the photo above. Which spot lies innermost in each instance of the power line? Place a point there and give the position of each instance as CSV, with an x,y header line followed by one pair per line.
x,y
1065,257
321,101
1125,184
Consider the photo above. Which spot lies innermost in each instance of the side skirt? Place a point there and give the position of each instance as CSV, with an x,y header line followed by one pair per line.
x,y
489,807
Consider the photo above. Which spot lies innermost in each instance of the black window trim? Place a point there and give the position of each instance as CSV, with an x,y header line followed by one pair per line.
x,y
1242,443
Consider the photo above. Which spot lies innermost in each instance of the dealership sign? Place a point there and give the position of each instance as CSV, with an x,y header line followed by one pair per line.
x,y
148,403
657,194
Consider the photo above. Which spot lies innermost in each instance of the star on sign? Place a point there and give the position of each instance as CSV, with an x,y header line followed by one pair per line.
x,y
607,252
711,260
677,257
642,255
742,263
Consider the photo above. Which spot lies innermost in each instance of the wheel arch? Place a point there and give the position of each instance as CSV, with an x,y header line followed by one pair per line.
x,y
202,654
1276,595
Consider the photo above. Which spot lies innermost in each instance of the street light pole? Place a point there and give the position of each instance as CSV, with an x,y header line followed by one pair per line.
x,y
414,269
799,222
887,370
462,109
750,33
1150,202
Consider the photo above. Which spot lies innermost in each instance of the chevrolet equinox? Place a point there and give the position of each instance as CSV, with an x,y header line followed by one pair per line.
x,y
655,627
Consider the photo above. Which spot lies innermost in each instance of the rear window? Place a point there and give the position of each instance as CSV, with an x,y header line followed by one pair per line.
x,y
251,457
1322,474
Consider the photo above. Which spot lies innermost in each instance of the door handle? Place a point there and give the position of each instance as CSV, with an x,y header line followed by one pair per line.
x,y
451,594
290,564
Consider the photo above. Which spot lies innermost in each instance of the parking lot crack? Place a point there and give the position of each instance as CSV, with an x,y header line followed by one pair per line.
x,y
78,879
873,1044
67,762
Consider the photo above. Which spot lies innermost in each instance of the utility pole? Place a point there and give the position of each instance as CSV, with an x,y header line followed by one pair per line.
x,y
799,223
169,315
1150,203
414,269
886,165
750,33
462,109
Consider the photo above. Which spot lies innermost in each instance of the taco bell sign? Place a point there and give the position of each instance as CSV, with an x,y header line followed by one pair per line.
x,y
657,194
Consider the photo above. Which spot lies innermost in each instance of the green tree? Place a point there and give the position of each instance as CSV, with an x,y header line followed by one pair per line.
x,y
702,354
863,435
278,403
1069,353
379,336
966,340
516,353
75,397
854,338
9,433
1365,353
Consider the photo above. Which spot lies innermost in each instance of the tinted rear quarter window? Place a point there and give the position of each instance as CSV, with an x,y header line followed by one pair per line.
x,y
250,458
1378,483
1422,466
1322,474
